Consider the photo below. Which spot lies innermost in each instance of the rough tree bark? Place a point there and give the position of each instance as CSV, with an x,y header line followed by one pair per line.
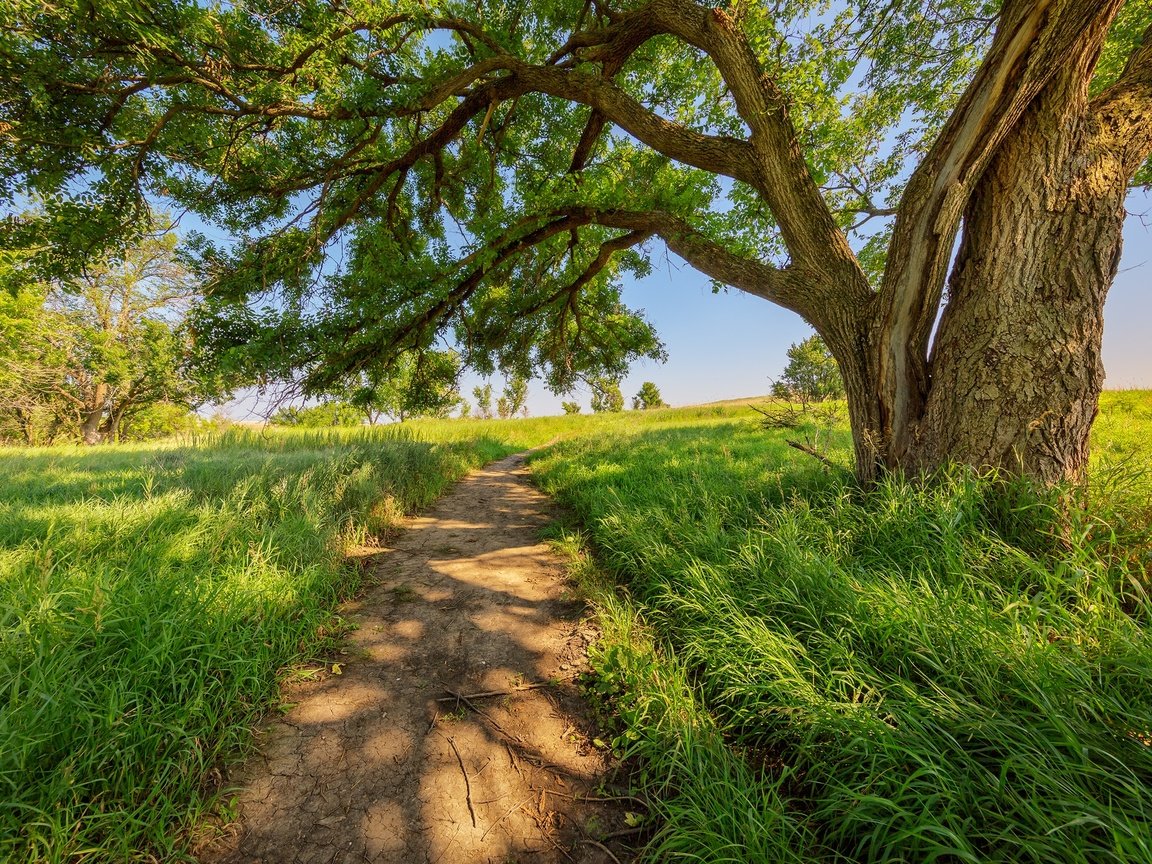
x,y
1016,368
1015,374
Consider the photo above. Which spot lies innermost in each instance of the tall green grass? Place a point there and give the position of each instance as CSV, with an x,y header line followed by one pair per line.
x,y
958,672
149,596
811,673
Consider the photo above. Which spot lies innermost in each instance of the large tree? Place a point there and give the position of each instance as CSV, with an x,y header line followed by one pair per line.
x,y
398,172
82,357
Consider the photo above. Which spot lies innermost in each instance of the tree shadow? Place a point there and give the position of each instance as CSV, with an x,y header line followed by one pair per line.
x,y
380,763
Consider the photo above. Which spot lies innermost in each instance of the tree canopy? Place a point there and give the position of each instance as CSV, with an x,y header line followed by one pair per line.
x,y
83,358
485,173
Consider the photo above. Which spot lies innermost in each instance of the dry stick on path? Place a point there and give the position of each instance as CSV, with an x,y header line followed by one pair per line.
x,y
508,692
597,799
460,697
507,813
602,848
467,784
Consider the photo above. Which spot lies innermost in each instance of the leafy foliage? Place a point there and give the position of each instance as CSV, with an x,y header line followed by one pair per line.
x,y
606,395
82,359
414,384
648,397
811,374
515,394
483,396
332,413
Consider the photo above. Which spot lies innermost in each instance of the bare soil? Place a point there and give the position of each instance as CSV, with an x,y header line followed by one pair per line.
x,y
377,760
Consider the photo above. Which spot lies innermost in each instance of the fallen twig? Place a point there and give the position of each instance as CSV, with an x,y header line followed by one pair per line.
x,y
460,697
535,686
811,451
507,813
467,784
602,848
627,832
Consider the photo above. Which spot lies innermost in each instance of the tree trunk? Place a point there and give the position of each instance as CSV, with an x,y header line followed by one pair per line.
x,y
25,420
93,415
113,427
1015,368
851,340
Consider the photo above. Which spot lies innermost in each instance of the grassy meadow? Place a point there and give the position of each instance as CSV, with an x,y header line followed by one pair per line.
x,y
814,673
149,597
808,672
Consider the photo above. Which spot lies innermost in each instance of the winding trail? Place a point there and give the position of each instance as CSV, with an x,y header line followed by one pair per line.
x,y
378,764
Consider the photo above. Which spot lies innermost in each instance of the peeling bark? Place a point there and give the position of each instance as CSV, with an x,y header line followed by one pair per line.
x,y
1016,370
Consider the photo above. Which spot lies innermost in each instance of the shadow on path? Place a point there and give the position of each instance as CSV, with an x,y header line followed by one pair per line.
x,y
369,766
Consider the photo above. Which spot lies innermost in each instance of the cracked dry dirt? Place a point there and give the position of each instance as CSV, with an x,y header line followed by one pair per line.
x,y
369,765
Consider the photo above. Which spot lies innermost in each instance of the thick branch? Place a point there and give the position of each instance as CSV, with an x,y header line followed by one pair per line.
x,y
1033,42
724,155
791,287
1124,110
807,226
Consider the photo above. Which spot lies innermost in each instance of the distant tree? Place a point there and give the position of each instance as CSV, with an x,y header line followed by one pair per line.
x,y
465,409
81,358
606,395
483,397
334,412
648,397
811,374
570,407
414,384
514,396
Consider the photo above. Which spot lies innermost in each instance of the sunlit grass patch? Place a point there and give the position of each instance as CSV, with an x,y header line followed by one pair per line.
x,y
955,671
149,596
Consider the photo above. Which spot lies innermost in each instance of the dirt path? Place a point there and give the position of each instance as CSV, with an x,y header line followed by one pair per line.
x,y
370,766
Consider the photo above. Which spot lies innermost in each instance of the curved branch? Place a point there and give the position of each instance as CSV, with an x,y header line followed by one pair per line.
x,y
1035,41
731,157
790,287
807,226
1124,110
604,256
